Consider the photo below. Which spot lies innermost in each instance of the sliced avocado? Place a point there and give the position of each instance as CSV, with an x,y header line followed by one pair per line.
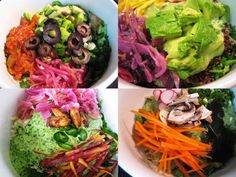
x,y
192,4
56,7
172,47
80,18
54,14
226,17
201,39
28,16
203,33
190,13
197,39
77,10
175,7
189,16
152,11
64,34
65,11
165,24
186,63
216,48
194,63
48,10
211,9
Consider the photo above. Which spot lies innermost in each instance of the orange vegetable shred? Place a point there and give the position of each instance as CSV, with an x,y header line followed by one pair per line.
x,y
19,60
173,145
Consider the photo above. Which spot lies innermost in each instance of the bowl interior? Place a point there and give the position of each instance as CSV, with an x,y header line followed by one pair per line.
x,y
105,9
227,81
8,109
129,158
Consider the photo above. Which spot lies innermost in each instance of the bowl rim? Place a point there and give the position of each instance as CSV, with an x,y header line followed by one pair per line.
x,y
100,85
227,81
17,95
129,158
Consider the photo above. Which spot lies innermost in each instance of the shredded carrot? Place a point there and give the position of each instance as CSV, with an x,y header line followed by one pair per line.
x,y
154,142
141,142
181,168
190,129
169,165
163,162
73,169
202,166
152,147
103,172
172,158
82,162
172,143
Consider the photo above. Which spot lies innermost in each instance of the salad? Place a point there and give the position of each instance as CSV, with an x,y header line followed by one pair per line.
x,y
175,43
61,46
186,133
62,132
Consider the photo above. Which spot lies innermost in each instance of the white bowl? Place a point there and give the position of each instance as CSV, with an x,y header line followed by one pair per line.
x,y
228,81
129,158
12,11
12,97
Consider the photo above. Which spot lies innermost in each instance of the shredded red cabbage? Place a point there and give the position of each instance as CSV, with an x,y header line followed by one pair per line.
x,y
43,100
57,75
139,60
136,53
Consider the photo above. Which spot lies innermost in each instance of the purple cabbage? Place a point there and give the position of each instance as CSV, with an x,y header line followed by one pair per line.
x,y
139,61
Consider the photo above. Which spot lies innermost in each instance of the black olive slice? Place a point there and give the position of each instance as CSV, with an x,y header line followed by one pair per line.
x,y
51,33
32,43
51,21
84,29
82,56
75,41
44,50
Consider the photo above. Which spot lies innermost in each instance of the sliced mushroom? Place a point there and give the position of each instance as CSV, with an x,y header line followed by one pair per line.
x,y
51,32
57,121
184,91
202,113
186,99
84,29
205,113
195,101
44,50
197,123
82,56
181,114
75,41
32,43
209,119
164,112
189,106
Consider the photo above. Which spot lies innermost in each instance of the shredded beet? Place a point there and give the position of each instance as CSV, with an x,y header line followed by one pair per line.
x,y
57,75
139,61
94,150
43,100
